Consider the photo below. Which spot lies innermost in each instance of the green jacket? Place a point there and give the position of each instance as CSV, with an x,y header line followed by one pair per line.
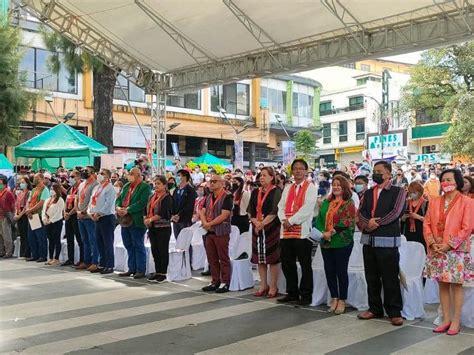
x,y
138,203
344,225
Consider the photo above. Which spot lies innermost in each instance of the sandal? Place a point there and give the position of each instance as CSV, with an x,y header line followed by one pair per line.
x,y
341,307
261,293
333,305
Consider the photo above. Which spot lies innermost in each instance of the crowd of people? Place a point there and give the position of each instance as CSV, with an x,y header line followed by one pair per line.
x,y
290,211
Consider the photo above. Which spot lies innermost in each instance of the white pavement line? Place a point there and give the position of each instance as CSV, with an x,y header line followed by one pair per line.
x,y
98,339
70,303
441,344
73,322
316,337
39,280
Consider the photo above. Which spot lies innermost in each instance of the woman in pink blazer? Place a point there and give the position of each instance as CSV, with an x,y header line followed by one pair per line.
x,y
447,229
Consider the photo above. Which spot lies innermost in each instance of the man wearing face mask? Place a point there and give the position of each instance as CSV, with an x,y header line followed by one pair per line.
x,y
71,222
130,209
379,220
361,184
432,186
183,202
86,224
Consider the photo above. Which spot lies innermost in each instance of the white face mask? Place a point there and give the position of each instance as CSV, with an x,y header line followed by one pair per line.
x,y
53,194
117,189
100,178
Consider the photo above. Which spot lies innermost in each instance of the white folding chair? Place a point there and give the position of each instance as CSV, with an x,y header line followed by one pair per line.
x,y
242,275
320,286
357,291
467,312
16,247
179,267
431,292
412,262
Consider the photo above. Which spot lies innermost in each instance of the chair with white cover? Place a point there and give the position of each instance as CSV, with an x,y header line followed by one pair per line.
x,y
150,262
357,291
179,267
467,313
120,253
412,262
199,251
431,292
16,247
320,286
242,275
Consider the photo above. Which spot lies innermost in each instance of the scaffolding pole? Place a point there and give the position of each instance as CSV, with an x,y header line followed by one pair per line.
x,y
158,132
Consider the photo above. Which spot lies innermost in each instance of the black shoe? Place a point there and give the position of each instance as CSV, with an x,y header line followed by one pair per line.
x,y
287,299
304,302
41,260
126,274
152,278
67,263
160,278
31,259
223,288
139,275
211,287
206,273
107,271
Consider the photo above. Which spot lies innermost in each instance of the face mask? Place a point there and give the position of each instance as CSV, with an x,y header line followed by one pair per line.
x,y
208,178
432,176
358,188
414,195
235,187
72,181
200,194
377,178
2,187
113,181
448,186
85,175
178,180
23,186
117,189
100,178
53,194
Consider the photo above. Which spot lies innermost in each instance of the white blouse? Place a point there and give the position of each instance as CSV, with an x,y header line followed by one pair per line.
x,y
55,210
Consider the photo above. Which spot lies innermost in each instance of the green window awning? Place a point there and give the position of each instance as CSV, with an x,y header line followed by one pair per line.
x,y
429,131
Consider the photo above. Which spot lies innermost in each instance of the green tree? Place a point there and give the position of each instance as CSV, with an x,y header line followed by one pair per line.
x,y
14,100
76,60
442,86
305,143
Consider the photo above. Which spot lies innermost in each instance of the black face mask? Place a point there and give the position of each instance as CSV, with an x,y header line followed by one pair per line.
x,y
235,187
170,185
85,175
378,178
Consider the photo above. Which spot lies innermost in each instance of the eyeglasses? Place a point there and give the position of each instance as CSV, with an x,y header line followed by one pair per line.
x,y
213,181
101,173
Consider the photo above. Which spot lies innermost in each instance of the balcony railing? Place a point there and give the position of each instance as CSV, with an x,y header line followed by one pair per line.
x,y
342,109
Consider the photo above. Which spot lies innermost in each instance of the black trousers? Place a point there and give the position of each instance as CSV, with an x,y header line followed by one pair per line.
x,y
72,231
291,251
336,261
160,242
381,269
53,232
22,225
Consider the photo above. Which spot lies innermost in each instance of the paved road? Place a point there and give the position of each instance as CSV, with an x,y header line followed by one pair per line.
x,y
51,310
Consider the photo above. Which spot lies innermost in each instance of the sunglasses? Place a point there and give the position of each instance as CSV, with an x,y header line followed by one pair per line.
x,y
213,181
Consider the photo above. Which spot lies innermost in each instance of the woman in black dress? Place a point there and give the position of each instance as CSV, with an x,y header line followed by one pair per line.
x,y
415,213
240,218
263,208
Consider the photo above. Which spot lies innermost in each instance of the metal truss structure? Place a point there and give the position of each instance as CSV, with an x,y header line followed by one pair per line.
x,y
444,22
158,132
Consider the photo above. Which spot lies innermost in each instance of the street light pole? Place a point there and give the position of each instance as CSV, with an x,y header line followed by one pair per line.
x,y
381,110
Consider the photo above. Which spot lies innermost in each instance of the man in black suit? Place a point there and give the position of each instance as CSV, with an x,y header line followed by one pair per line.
x,y
183,202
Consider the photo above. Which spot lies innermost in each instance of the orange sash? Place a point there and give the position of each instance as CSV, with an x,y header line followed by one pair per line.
x,y
155,199
293,204
261,197
212,203
334,206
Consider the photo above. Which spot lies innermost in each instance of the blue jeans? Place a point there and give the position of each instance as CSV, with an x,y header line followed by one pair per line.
x,y
133,238
104,231
38,243
91,251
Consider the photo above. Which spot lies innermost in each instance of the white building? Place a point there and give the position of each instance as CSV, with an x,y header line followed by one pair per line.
x,y
349,110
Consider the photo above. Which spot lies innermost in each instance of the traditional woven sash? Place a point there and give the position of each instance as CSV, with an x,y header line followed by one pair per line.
x,y
293,204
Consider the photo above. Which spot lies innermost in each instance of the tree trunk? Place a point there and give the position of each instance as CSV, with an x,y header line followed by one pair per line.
x,y
103,125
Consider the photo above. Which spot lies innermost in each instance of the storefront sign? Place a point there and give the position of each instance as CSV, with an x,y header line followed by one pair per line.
x,y
391,140
431,158
389,153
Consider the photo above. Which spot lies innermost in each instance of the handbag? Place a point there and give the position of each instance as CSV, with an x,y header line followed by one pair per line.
x,y
125,221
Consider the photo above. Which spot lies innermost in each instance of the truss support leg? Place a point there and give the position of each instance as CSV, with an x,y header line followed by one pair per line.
x,y
158,133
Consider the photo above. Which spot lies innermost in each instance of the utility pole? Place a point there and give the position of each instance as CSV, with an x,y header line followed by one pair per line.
x,y
384,107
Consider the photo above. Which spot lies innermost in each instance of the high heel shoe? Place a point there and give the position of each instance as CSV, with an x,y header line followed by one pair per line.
x,y
333,306
454,332
261,293
272,294
340,308
442,328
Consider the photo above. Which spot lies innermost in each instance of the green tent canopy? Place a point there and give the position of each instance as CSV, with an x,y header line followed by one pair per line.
x,y
5,163
60,141
210,159
52,164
